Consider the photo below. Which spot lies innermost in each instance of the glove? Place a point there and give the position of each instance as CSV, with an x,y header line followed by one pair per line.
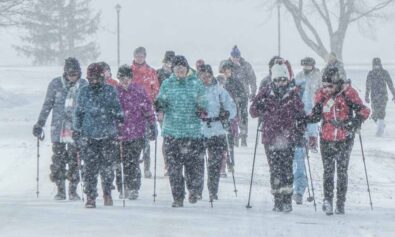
x,y
260,105
152,132
301,122
367,100
224,115
37,131
201,113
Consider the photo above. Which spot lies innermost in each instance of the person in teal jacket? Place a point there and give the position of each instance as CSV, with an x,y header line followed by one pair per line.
x,y
220,109
183,101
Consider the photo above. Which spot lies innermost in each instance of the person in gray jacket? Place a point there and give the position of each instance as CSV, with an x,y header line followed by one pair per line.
x,y
60,99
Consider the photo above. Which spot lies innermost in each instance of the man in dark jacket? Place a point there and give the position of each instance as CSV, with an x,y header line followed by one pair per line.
x,y
165,71
96,115
60,99
281,109
243,72
376,91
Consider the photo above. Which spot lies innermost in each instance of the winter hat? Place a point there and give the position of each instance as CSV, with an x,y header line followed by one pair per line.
x,y
279,71
307,61
235,53
206,68
71,65
199,64
125,70
140,50
95,71
331,75
225,65
105,66
275,60
376,62
169,56
180,60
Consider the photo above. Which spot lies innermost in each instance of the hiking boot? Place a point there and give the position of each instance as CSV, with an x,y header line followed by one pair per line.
x,y
287,207
213,197
298,198
177,203
339,208
90,203
236,141
108,200
193,198
244,141
133,195
278,204
73,196
223,175
147,174
327,207
60,195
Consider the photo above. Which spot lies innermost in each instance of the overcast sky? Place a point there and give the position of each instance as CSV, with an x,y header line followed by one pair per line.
x,y
208,29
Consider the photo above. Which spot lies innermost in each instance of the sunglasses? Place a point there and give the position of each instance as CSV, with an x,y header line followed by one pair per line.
x,y
72,74
280,79
328,86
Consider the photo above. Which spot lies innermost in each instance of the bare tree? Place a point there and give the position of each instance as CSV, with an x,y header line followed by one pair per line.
x,y
337,16
11,11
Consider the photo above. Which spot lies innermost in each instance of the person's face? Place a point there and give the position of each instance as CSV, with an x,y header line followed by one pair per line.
x,y
139,58
72,76
124,81
107,74
180,71
206,77
307,68
329,88
235,60
280,81
227,73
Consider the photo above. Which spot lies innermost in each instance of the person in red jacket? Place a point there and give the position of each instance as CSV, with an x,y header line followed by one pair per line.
x,y
145,76
342,112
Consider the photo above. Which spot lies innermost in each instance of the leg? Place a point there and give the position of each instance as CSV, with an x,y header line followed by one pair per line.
x,y
175,164
299,172
244,122
194,167
273,161
287,179
73,172
136,148
91,168
58,169
342,172
329,153
216,148
147,156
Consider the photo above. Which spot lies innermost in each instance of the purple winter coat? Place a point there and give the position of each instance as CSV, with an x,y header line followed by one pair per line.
x,y
138,110
279,116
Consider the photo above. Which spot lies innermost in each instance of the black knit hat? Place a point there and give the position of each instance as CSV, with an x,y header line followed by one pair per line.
x,y
206,68
95,71
125,70
180,60
376,62
307,61
331,75
169,56
71,65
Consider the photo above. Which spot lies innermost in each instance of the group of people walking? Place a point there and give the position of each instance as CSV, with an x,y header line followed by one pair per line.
x,y
101,126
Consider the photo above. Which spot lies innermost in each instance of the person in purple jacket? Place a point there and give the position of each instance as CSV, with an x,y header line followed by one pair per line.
x,y
280,109
138,112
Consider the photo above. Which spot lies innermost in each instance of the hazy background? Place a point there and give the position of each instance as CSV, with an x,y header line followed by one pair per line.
x,y
208,29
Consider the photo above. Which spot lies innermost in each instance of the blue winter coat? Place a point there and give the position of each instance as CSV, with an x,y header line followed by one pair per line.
x,y
97,112
217,95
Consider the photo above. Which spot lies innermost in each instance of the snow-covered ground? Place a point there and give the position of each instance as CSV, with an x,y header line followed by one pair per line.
x,y
22,214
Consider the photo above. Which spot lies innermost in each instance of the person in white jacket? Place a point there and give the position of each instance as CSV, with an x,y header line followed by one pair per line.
x,y
220,109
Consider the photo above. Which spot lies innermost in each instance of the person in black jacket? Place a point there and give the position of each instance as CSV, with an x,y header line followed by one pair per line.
x,y
376,92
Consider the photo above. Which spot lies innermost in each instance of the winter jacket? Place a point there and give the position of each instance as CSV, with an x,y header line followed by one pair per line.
x,y
180,100
55,101
245,74
162,75
376,85
137,109
217,97
337,114
310,83
97,111
280,115
112,82
146,77
236,89
265,81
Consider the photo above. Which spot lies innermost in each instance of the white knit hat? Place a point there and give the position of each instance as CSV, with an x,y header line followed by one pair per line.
x,y
280,70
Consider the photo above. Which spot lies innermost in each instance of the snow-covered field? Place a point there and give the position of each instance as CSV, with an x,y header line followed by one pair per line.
x,y
21,214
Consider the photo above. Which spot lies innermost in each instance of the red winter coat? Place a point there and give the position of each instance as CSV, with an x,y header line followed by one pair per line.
x,y
337,113
145,76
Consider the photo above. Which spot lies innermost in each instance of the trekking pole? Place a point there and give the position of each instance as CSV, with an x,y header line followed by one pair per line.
x,y
39,138
310,198
231,161
80,174
366,172
122,174
156,148
311,179
253,164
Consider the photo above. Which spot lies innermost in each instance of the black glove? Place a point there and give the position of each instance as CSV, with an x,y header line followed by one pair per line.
x,y
224,115
37,131
201,112
260,105
152,132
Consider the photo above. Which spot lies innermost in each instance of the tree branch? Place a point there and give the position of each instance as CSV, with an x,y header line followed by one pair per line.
x,y
377,7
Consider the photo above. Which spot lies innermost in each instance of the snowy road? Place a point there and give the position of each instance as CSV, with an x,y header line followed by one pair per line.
x,y
22,214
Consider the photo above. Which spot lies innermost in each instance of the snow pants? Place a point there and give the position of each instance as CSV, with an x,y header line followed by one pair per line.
x,y
147,151
378,109
185,154
336,155
281,176
216,146
64,155
242,115
131,168
299,171
100,156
